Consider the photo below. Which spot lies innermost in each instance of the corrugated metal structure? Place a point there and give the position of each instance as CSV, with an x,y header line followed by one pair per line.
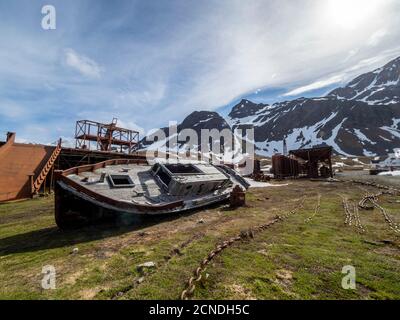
x,y
24,168
284,167
27,169
315,162
312,163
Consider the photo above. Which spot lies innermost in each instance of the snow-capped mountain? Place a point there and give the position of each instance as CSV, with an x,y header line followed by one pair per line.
x,y
362,118
196,120
381,86
350,127
204,120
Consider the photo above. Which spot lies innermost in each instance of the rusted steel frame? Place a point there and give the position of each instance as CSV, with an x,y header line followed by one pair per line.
x,y
47,167
104,125
106,135
113,141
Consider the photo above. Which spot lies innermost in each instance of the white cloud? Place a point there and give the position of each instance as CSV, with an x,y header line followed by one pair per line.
x,y
192,57
132,126
377,37
351,54
82,64
244,49
350,14
11,110
364,65
315,85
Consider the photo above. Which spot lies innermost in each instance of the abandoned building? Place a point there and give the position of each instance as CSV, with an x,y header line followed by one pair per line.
x,y
311,163
27,169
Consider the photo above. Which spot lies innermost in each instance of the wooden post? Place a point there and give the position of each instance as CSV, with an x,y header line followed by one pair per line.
x,y
44,184
31,182
330,164
51,179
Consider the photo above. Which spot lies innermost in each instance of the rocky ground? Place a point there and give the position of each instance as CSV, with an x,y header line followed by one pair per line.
x,y
300,255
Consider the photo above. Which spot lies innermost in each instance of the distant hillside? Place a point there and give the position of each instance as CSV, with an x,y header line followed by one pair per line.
x,y
361,118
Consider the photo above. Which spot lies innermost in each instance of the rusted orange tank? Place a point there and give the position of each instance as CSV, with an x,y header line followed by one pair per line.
x,y
283,167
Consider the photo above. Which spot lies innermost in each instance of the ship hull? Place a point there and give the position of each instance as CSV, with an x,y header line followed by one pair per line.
x,y
131,190
74,208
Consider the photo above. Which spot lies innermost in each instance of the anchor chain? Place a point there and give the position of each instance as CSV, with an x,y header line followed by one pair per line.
x,y
197,274
352,216
392,225
316,210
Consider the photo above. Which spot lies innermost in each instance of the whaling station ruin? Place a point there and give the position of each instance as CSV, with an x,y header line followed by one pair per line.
x,y
105,174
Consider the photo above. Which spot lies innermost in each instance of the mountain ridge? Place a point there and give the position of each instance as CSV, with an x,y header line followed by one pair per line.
x,y
361,118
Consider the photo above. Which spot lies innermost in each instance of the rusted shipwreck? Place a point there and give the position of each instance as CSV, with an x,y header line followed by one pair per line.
x,y
137,188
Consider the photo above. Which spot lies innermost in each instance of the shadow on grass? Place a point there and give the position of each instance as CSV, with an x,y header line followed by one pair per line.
x,y
53,237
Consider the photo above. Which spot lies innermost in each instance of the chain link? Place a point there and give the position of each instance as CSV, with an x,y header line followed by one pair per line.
x,y
197,274
351,214
392,225
373,200
391,190
316,210
368,198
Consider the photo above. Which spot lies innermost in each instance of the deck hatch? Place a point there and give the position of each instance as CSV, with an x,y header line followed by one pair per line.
x,y
120,180
183,169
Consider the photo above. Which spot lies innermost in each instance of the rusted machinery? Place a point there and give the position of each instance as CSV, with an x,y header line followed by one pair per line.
x,y
237,197
284,167
315,162
311,163
258,175
106,137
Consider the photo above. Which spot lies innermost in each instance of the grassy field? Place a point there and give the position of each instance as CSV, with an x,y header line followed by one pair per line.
x,y
300,257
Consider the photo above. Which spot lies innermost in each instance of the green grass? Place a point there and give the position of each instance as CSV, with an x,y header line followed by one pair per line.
x,y
293,259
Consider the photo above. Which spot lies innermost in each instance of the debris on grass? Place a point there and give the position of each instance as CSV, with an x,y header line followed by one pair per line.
x,y
146,266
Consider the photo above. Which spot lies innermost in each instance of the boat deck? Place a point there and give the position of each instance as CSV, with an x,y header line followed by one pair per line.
x,y
146,189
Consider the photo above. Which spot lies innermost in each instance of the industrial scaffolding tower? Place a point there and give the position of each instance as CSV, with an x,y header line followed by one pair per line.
x,y
105,137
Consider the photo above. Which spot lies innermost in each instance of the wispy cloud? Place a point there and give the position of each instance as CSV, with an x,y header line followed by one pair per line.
x,y
315,85
377,37
364,65
84,65
108,61
10,110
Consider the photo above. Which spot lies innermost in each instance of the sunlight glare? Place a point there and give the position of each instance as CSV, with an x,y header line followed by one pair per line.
x,y
350,14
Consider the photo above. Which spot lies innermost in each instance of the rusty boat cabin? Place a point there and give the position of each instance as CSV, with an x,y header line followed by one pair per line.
x,y
133,189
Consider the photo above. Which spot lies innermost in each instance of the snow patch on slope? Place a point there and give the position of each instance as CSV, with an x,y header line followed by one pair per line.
x,y
303,137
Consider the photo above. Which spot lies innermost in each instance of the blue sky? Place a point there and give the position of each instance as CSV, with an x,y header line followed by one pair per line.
x,y
149,62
